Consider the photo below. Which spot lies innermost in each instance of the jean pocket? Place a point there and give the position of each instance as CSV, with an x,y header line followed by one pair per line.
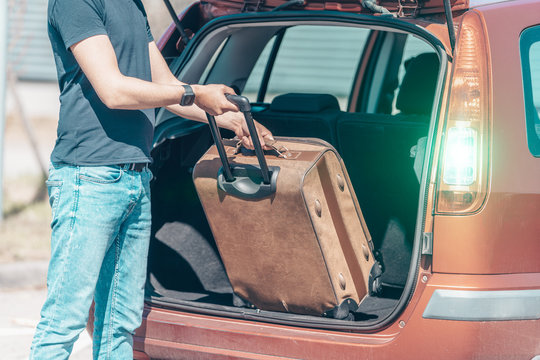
x,y
54,188
101,174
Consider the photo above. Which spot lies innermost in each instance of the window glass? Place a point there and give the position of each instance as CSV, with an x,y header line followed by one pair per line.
x,y
212,61
413,47
313,59
534,61
530,62
251,89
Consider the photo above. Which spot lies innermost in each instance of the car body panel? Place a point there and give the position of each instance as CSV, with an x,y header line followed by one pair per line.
x,y
172,334
492,241
194,17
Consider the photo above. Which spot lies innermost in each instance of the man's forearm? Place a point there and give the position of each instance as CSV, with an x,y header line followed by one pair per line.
x,y
134,94
192,112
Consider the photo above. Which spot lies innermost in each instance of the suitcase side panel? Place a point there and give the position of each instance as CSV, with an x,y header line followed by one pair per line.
x,y
338,224
316,201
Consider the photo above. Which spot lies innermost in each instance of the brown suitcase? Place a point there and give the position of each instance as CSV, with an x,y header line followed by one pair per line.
x,y
292,239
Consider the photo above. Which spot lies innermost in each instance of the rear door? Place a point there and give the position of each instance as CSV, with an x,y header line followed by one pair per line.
x,y
199,13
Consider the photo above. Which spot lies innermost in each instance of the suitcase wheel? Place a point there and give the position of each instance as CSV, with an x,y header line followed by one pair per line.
x,y
343,311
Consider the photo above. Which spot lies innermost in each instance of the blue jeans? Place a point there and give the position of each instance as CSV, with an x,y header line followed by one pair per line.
x,y
99,247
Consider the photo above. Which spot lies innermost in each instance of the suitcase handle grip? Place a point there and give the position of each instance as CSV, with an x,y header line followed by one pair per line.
x,y
243,105
241,101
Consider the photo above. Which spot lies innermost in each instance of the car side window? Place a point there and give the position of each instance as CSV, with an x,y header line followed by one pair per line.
x,y
212,62
413,47
530,66
386,72
311,59
254,81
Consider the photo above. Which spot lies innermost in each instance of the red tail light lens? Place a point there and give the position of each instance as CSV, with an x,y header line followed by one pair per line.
x,y
463,179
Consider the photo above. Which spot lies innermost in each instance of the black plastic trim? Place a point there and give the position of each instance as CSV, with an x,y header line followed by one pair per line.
x,y
271,317
247,183
270,65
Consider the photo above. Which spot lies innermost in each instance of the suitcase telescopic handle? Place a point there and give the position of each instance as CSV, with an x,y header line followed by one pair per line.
x,y
216,135
239,181
244,106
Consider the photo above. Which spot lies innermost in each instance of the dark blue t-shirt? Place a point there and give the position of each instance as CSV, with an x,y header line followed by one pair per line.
x,y
89,133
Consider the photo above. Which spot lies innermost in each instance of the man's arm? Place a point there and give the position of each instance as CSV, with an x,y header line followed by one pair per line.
x,y
234,121
97,59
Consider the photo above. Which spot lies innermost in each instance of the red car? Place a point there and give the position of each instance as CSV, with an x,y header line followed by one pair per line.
x,y
437,121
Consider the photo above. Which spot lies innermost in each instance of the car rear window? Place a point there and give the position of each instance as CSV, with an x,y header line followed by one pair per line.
x,y
311,59
530,65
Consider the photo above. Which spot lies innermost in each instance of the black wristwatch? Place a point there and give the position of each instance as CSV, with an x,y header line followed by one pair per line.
x,y
189,96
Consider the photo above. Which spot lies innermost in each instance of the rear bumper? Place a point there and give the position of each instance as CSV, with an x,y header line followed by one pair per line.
x,y
170,334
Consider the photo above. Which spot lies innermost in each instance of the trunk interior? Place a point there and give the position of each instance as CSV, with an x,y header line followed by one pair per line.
x,y
184,263
185,270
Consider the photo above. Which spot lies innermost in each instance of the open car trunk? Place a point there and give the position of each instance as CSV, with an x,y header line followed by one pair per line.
x,y
380,124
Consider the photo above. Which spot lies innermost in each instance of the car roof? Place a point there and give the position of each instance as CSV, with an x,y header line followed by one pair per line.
x,y
479,3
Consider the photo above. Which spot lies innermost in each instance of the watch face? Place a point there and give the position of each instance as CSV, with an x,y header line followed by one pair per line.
x,y
189,97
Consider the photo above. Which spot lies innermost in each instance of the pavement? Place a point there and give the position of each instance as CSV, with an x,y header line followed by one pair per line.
x,y
22,293
19,315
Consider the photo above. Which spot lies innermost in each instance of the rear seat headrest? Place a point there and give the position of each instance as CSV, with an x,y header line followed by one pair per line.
x,y
304,103
417,88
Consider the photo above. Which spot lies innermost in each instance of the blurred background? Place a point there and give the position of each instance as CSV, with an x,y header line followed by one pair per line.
x,y
29,133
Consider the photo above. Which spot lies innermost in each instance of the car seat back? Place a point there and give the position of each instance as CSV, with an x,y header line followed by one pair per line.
x,y
302,115
376,151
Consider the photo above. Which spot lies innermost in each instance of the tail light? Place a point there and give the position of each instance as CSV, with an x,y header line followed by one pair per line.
x,y
463,180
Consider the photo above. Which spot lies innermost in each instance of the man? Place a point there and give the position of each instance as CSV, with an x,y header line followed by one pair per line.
x,y
111,76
